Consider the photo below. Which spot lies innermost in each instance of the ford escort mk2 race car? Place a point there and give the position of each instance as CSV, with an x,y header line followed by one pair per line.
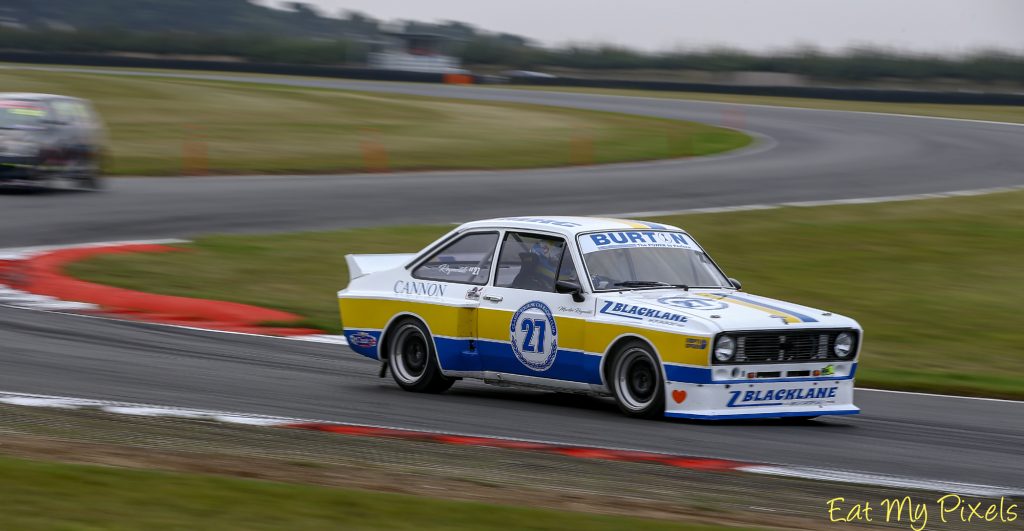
x,y
49,141
625,308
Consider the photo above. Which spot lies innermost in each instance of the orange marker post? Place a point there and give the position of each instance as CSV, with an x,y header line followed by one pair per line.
x,y
194,152
581,149
375,156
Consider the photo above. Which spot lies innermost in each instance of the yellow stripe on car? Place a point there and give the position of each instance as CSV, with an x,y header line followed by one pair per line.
x,y
490,324
788,317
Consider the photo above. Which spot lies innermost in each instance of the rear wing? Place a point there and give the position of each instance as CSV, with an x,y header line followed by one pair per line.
x,y
364,264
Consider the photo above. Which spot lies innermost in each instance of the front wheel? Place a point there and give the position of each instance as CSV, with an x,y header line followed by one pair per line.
x,y
636,382
412,359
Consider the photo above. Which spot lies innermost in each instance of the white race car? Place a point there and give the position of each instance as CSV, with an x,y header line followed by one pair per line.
x,y
625,308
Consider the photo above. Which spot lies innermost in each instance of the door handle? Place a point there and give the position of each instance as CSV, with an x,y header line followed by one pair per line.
x,y
493,298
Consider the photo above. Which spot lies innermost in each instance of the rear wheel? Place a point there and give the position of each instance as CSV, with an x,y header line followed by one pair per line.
x,y
91,177
412,359
636,382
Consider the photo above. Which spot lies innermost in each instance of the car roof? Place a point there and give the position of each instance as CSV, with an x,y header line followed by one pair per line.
x,y
32,96
566,225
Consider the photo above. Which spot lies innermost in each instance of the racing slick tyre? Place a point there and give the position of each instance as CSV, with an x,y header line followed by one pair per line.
x,y
412,359
636,381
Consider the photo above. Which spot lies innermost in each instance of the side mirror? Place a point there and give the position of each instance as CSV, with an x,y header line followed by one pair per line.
x,y
572,288
735,283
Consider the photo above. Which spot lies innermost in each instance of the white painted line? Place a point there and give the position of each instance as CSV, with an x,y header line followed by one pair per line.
x,y
320,338
37,401
825,202
882,480
146,411
872,390
23,299
23,253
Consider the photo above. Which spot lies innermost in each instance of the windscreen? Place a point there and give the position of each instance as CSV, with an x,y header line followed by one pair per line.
x,y
18,114
639,259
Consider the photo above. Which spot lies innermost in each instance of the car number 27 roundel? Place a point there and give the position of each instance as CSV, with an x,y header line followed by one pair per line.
x,y
534,336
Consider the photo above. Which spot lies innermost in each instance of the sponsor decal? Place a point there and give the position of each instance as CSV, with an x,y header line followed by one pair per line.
x,y
778,397
460,270
693,303
632,311
568,309
534,336
362,339
474,293
23,108
412,287
546,221
697,343
600,241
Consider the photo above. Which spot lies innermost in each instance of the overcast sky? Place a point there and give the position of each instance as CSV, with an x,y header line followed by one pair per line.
x,y
919,25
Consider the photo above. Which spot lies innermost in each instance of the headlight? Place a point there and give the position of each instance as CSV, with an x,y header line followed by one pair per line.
x,y
844,345
725,348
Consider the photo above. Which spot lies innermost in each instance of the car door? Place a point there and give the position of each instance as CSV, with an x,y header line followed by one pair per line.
x,y
530,333
444,290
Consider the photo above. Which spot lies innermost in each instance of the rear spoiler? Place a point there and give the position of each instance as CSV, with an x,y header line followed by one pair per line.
x,y
364,264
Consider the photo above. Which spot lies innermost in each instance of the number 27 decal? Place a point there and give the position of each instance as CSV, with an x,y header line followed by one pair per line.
x,y
532,326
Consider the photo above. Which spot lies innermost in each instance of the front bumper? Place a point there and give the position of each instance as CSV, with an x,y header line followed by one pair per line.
x,y
19,171
748,400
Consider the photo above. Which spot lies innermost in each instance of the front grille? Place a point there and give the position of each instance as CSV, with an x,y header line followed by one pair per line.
x,y
787,347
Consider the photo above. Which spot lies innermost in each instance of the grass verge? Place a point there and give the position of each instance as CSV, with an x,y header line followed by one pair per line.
x,y
155,122
995,113
417,468
43,495
937,284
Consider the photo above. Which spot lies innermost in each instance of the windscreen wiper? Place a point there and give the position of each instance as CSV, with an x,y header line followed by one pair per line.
x,y
650,284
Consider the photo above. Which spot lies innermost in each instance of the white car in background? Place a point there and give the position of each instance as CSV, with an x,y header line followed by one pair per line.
x,y
630,309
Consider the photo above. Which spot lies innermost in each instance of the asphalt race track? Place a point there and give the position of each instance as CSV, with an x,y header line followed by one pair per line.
x,y
949,439
802,156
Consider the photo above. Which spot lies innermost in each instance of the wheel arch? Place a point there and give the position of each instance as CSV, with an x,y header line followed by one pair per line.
x,y
613,350
382,349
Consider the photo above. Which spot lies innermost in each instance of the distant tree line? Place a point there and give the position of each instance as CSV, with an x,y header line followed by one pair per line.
x,y
301,34
248,46
853,65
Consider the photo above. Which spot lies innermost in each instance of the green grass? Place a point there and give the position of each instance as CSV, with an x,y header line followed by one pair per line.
x,y
267,128
39,495
937,284
995,113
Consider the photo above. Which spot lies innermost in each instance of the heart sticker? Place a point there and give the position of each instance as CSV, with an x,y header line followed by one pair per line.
x,y
679,395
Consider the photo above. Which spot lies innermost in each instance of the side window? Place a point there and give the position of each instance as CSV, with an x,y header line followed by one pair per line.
x,y
64,111
529,261
89,115
467,260
73,113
